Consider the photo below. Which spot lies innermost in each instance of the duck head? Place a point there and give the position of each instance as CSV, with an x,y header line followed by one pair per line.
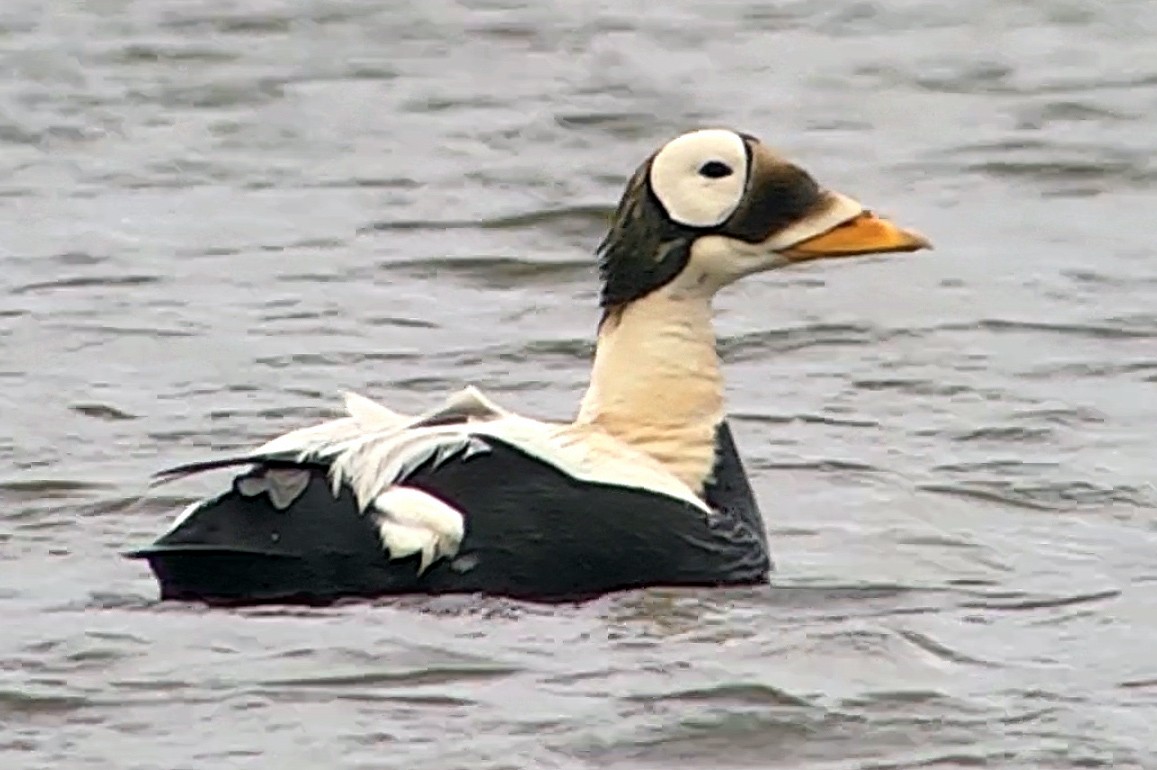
x,y
714,205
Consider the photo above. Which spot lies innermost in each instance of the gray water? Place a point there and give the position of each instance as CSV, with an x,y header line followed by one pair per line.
x,y
215,216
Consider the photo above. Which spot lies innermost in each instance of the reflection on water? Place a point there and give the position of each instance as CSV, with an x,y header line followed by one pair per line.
x,y
215,216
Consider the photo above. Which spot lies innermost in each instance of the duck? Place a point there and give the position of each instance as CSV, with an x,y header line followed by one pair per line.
x,y
643,487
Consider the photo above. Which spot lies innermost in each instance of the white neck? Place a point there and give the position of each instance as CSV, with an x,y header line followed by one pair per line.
x,y
656,383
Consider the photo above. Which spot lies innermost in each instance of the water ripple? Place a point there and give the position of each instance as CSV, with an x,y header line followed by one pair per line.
x,y
86,282
1070,496
583,219
424,676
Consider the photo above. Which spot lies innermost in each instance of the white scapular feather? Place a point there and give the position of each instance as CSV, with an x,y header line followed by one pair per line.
x,y
372,463
368,412
371,466
412,521
364,416
374,450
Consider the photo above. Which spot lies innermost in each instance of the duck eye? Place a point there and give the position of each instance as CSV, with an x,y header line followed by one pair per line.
x,y
714,169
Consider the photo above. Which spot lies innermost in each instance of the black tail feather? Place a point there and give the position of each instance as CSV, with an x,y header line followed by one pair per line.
x,y
201,466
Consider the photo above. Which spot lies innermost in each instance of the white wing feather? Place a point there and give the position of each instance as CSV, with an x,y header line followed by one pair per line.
x,y
374,449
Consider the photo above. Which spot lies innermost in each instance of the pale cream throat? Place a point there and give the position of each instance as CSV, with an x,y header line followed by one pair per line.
x,y
656,383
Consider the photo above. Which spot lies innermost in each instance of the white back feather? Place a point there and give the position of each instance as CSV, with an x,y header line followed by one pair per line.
x,y
374,449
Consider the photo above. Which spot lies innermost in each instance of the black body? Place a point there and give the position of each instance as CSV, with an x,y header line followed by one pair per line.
x,y
532,532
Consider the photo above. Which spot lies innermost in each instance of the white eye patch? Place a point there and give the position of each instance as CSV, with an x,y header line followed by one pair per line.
x,y
700,177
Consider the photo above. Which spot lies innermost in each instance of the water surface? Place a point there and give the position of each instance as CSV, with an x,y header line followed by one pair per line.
x,y
216,215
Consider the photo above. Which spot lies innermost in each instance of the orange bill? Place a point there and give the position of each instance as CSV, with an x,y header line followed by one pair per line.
x,y
863,234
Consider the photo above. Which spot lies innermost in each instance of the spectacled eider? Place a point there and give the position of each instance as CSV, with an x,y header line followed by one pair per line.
x,y
643,488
